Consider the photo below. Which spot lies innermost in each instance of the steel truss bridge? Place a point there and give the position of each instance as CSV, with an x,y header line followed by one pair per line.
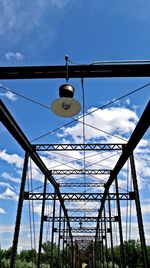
x,y
86,216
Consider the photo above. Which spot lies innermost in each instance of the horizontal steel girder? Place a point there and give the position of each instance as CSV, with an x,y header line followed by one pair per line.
x,y
81,230
81,210
80,172
82,219
78,196
141,69
84,237
77,147
73,184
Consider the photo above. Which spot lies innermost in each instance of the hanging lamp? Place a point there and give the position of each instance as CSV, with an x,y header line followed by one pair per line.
x,y
66,105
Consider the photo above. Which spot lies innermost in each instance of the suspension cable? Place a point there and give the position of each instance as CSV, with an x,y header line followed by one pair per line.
x,y
33,219
99,108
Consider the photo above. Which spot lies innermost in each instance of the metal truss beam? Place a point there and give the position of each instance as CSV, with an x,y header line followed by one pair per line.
x,y
78,196
83,219
135,138
81,210
80,172
132,69
78,147
73,184
83,237
84,230
81,230
11,125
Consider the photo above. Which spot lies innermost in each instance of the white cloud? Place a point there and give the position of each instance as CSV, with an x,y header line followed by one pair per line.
x,y
12,159
2,211
119,121
60,3
9,177
6,184
7,228
18,20
38,208
14,56
9,194
9,95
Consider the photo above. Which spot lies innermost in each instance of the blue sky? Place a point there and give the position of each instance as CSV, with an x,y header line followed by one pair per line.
x,y
42,33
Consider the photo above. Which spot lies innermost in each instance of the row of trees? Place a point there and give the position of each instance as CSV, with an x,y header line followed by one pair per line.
x,y
133,255
28,258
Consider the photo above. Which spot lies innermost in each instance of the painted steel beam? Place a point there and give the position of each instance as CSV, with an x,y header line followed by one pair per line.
x,y
81,210
83,219
78,147
78,196
83,230
77,184
80,172
11,125
138,133
141,69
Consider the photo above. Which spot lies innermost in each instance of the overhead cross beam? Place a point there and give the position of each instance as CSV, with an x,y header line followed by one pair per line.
x,y
83,230
78,184
83,219
78,196
80,172
77,71
78,147
82,210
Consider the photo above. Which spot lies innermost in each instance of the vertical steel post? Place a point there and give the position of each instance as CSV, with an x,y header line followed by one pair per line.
x,y
52,237
96,259
99,250
94,255
42,224
64,230
72,256
0,257
19,212
139,213
111,236
102,244
106,253
123,265
67,255
59,235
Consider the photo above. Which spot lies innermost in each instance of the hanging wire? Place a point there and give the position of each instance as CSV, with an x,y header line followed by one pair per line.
x,y
33,219
74,120
127,202
67,77
80,159
83,129
130,222
30,221
102,62
83,123
99,108
24,97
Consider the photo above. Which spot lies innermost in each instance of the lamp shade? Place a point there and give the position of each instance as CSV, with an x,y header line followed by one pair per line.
x,y
66,107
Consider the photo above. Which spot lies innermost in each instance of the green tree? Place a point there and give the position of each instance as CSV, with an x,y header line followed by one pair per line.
x,y
47,251
28,255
